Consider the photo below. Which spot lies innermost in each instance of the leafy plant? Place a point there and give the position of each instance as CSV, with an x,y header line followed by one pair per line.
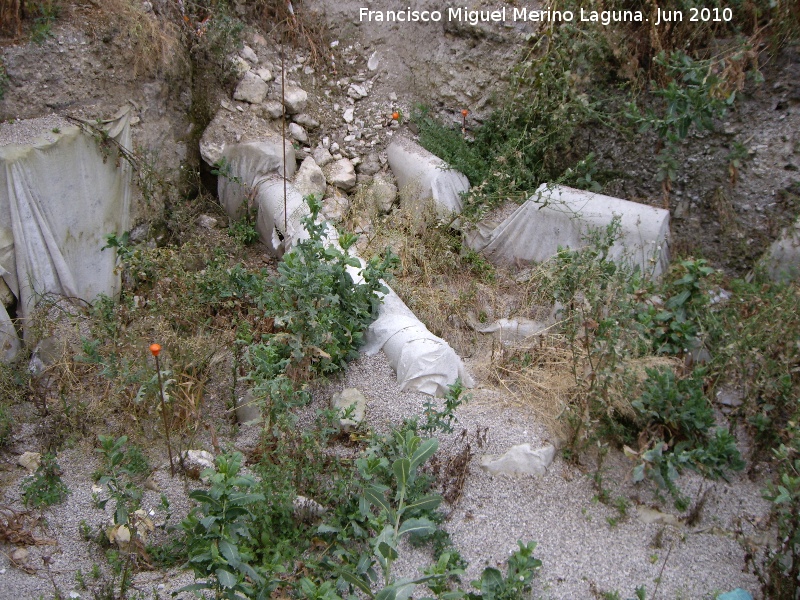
x,y
436,420
680,427
45,487
219,533
675,327
244,228
516,583
319,309
3,79
44,14
398,515
695,94
525,140
120,466
6,423
782,571
583,175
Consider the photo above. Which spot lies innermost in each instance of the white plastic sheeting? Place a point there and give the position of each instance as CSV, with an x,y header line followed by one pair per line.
x,y
423,176
60,196
561,216
422,361
782,260
252,174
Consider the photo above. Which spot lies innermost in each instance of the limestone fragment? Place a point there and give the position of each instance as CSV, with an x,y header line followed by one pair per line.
x,y
341,174
310,180
251,89
295,99
350,402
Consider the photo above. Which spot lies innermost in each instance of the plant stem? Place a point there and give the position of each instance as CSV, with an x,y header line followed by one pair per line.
x,y
164,415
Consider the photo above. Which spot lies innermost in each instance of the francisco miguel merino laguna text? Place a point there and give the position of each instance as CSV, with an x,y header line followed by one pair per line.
x,y
500,15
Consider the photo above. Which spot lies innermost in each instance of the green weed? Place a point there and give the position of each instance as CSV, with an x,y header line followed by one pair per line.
x,y
120,468
43,14
219,533
436,420
6,425
45,487
683,433
320,312
782,568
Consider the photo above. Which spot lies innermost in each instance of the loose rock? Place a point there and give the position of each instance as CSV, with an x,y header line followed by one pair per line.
x,y
350,401
306,121
370,165
310,180
298,133
341,174
251,89
248,54
206,222
295,99
322,157
336,205
30,461
197,461
264,73
382,193
374,61
272,109
357,91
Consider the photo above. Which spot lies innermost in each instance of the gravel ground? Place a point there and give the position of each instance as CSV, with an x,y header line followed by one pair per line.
x,y
580,549
26,131
584,545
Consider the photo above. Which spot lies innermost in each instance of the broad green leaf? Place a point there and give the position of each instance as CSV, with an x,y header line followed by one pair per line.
x,y
374,494
387,593
230,552
418,526
424,452
202,496
491,582
328,529
226,578
402,471
425,503
403,588
207,522
356,581
386,551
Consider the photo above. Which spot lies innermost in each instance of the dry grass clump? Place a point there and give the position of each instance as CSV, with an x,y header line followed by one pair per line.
x,y
156,40
448,287
539,377
295,23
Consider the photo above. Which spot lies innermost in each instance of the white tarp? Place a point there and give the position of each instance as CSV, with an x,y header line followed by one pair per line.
x,y
424,176
422,361
252,174
60,196
782,260
561,216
